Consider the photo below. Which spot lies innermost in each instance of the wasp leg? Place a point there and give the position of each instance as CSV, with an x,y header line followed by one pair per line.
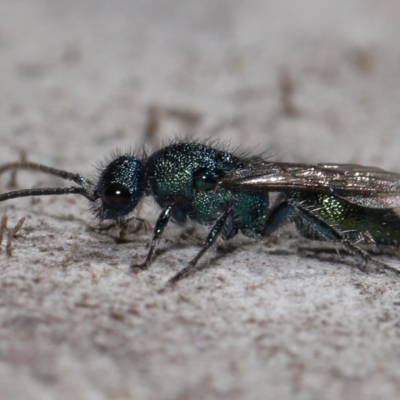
x,y
161,223
213,235
277,218
285,212
330,233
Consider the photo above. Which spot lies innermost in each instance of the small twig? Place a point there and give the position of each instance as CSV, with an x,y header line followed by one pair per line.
x,y
188,116
153,123
12,184
70,255
3,228
156,113
11,234
286,86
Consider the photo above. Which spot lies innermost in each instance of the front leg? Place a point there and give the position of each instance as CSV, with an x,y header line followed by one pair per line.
x,y
161,223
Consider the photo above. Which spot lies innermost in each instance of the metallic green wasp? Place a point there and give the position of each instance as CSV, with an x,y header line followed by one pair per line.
x,y
344,203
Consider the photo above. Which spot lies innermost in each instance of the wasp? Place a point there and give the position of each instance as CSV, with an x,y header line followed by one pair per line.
x,y
230,193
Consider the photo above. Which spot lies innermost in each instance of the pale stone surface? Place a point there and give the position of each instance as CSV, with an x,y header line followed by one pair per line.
x,y
77,79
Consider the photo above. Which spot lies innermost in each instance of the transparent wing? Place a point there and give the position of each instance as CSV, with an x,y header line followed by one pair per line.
x,y
367,186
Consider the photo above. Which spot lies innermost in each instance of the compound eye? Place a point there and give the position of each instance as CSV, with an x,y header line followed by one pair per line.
x,y
117,195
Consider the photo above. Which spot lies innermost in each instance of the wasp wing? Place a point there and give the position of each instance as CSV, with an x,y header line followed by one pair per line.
x,y
366,186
